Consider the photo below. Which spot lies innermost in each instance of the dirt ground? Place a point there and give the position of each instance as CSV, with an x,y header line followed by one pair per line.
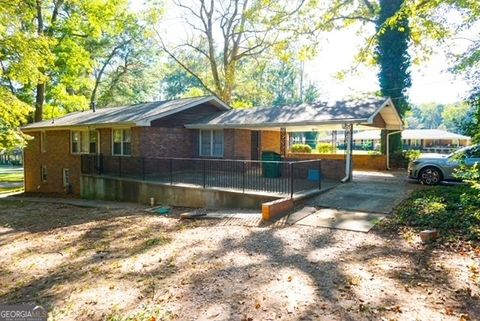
x,y
98,264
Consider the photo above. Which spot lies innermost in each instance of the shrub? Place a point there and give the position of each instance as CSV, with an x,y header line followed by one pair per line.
x,y
400,159
469,175
300,148
325,148
412,155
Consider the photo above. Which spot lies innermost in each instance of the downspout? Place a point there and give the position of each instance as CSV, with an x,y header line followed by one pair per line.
x,y
348,150
388,147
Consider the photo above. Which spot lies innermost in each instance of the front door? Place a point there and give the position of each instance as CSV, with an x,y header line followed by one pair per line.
x,y
255,145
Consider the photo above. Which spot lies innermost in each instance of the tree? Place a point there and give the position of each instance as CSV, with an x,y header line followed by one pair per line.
x,y
281,81
13,113
425,116
394,60
177,82
60,56
227,34
458,117
401,27
21,53
468,64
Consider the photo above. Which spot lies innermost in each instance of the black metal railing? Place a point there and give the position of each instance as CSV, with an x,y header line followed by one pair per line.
x,y
280,177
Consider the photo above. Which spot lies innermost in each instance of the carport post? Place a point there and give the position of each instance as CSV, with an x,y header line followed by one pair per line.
x,y
348,152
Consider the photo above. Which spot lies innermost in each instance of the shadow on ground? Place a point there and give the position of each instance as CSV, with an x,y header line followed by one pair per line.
x,y
87,264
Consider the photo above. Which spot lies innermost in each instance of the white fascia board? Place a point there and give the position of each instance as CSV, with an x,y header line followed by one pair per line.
x,y
387,102
78,127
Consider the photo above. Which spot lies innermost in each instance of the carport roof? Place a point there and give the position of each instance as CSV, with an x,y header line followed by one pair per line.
x,y
307,117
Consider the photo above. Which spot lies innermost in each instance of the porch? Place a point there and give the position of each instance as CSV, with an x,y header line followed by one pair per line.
x,y
278,179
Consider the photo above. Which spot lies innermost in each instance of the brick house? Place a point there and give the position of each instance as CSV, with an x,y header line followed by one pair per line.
x,y
190,128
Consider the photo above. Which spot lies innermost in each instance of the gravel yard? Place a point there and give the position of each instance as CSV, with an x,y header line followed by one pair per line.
x,y
100,264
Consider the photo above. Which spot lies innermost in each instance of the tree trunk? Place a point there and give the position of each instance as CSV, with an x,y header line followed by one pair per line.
x,y
39,99
40,94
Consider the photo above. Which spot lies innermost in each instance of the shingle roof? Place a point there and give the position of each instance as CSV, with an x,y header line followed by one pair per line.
x,y
318,113
139,114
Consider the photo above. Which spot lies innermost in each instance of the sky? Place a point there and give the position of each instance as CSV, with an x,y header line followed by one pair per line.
x,y
431,82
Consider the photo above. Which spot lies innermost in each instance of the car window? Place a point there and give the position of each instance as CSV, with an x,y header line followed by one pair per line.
x,y
460,154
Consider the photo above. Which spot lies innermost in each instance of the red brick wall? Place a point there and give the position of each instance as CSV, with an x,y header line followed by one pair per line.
x,y
163,142
56,157
106,141
360,162
270,141
243,144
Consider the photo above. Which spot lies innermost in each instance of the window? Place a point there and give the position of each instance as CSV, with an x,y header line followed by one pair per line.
x,y
122,142
43,173
66,177
43,142
211,143
85,142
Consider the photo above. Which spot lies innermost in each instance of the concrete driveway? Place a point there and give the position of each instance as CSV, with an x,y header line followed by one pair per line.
x,y
375,192
360,204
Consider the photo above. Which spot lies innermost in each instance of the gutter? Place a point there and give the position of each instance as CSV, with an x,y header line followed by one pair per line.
x,y
267,125
348,150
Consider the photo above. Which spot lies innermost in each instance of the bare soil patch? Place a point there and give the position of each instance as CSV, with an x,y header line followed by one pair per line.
x,y
97,264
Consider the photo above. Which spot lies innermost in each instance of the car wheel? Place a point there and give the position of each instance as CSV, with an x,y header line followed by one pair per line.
x,y
430,176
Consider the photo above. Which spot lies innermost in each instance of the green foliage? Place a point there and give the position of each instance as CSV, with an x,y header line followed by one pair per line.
x,y
178,83
458,118
470,175
60,55
453,210
13,113
300,148
325,148
412,155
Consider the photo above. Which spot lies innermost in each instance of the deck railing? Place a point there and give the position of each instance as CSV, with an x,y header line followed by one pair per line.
x,y
279,177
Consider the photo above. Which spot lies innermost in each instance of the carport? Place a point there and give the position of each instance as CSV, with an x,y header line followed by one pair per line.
x,y
348,116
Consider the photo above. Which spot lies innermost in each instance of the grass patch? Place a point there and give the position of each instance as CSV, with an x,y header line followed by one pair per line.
x,y
11,190
11,177
157,241
147,313
453,210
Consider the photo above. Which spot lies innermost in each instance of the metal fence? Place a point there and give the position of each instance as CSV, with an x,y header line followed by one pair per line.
x,y
279,177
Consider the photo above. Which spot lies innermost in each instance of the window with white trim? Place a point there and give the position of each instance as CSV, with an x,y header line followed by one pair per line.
x,y
84,142
43,142
122,142
66,177
211,143
43,173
